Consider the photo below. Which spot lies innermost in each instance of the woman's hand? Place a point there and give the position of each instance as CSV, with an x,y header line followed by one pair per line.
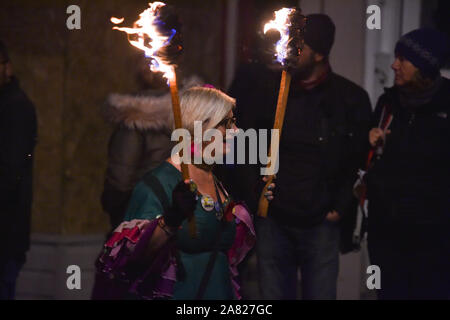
x,y
377,135
183,204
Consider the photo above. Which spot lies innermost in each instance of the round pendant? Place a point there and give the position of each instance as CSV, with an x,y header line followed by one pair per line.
x,y
207,203
219,215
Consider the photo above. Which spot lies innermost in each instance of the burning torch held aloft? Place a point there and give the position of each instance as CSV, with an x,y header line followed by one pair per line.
x,y
290,23
157,33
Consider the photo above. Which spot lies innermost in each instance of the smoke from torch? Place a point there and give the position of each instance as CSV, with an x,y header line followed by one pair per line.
x,y
156,34
287,21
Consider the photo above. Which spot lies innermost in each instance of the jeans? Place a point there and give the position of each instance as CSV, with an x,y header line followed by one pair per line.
x,y
282,249
9,271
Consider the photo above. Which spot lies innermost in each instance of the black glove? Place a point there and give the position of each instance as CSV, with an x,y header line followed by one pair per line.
x,y
183,205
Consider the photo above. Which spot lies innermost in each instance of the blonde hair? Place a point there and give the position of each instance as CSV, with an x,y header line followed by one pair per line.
x,y
208,105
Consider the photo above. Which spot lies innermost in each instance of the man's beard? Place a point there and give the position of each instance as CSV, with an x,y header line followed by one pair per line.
x,y
303,71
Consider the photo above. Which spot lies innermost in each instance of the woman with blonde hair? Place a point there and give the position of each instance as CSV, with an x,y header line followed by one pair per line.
x,y
151,255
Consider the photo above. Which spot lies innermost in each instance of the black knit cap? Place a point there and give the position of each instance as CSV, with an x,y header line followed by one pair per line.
x,y
319,33
427,49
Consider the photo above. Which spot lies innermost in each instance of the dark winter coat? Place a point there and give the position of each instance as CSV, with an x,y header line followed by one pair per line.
x,y
334,146
409,185
18,135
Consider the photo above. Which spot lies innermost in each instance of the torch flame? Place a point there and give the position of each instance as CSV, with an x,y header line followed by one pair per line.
x,y
282,24
117,20
146,28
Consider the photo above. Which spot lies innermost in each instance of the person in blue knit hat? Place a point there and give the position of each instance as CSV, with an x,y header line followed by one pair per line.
x,y
409,179
426,49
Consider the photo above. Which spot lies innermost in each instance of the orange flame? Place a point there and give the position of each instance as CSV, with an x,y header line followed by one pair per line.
x,y
282,24
117,20
146,28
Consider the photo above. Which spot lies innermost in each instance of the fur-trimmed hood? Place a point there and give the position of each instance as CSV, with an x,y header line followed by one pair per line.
x,y
144,112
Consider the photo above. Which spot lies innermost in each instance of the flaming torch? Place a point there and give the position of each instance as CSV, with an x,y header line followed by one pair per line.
x,y
155,33
289,29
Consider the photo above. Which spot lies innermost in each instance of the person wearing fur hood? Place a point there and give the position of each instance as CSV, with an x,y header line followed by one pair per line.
x,y
139,143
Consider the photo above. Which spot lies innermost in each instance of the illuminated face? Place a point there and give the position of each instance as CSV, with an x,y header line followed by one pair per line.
x,y
404,70
228,123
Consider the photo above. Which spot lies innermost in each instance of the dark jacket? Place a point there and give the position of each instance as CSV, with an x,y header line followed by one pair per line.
x,y
409,185
139,143
18,135
328,147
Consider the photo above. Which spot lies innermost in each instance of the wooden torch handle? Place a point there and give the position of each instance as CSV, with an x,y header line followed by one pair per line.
x,y
283,94
178,125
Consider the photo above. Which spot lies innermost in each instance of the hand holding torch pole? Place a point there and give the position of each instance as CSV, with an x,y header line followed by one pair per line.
x,y
178,124
177,117
275,141
282,23
156,38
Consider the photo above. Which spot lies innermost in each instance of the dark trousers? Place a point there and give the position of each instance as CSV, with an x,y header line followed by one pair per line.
x,y
282,249
410,270
9,271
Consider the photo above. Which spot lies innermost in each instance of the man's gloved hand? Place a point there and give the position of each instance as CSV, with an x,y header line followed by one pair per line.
x,y
183,204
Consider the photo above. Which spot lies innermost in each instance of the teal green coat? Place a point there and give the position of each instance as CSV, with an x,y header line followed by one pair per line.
x,y
194,253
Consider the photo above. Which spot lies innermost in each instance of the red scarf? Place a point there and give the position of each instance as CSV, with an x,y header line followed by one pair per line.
x,y
308,85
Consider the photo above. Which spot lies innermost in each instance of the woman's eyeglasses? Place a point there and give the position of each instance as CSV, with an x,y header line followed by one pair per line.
x,y
227,122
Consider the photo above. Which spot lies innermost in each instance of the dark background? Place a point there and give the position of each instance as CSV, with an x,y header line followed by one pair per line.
x,y
69,73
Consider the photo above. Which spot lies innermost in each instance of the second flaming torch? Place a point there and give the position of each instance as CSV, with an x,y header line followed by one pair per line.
x,y
287,21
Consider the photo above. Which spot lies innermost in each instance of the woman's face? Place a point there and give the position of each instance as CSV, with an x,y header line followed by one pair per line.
x,y
227,124
404,71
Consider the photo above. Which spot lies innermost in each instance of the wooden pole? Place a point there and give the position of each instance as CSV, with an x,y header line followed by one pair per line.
x,y
283,94
178,125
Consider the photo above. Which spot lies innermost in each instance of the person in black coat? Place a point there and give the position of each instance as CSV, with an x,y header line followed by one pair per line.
x,y
18,132
321,148
409,182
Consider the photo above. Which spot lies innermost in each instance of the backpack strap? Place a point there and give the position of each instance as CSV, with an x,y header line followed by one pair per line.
x,y
153,182
212,258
